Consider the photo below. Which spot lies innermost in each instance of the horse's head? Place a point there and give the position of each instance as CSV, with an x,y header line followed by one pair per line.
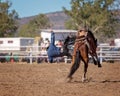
x,y
66,40
69,41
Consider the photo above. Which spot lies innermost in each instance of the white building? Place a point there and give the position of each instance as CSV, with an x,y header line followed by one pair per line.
x,y
15,43
59,34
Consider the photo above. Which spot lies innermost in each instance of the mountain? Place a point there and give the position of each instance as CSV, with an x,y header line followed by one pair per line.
x,y
56,18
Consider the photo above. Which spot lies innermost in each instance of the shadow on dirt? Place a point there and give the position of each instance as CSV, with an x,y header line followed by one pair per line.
x,y
91,80
110,81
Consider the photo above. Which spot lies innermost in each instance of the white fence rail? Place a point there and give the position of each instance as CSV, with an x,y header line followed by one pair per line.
x,y
109,53
105,53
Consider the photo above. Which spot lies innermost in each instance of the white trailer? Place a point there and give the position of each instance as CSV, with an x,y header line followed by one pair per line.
x,y
59,34
15,43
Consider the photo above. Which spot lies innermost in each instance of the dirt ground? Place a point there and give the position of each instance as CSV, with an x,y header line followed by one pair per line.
x,y
50,80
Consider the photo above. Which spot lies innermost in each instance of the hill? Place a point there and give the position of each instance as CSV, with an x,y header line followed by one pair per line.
x,y
56,18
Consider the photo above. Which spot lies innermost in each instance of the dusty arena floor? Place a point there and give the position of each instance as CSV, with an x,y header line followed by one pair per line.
x,y
49,80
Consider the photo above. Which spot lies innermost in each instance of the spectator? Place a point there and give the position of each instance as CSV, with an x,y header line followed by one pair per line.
x,y
113,48
112,43
47,43
59,44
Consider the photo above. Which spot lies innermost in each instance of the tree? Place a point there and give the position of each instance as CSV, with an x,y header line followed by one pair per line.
x,y
97,15
32,28
8,25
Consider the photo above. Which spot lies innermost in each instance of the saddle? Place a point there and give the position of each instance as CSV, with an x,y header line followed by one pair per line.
x,y
83,40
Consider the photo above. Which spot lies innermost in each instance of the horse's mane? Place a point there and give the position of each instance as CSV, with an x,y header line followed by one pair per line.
x,y
91,34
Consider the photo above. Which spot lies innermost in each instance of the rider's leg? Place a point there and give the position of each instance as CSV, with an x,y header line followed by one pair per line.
x,y
87,43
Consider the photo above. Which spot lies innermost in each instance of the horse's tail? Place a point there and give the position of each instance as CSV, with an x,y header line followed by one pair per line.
x,y
76,64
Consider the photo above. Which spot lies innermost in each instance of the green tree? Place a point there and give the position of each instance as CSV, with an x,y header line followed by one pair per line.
x,y
97,15
34,26
8,25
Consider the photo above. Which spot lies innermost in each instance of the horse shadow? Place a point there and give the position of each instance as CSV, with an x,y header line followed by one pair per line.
x,y
89,80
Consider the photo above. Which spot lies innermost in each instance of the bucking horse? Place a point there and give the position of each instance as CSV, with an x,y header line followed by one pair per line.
x,y
81,52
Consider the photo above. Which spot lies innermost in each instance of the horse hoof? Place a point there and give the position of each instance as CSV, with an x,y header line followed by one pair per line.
x,y
99,65
83,79
95,63
69,79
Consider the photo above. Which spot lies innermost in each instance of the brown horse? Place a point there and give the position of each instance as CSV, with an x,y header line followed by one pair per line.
x,y
81,52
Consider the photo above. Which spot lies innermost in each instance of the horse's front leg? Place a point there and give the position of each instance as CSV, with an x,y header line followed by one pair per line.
x,y
99,65
98,61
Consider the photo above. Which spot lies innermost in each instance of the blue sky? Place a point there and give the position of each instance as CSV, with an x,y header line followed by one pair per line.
x,y
34,7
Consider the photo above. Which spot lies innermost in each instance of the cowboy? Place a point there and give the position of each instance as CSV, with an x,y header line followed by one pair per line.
x,y
82,32
81,35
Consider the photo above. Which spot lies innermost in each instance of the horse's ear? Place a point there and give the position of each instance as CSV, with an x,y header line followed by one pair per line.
x,y
95,40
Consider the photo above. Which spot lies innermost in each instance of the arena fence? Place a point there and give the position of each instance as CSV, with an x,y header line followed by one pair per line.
x,y
108,53
105,53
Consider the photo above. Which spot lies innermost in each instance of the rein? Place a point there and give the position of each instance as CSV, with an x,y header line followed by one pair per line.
x,y
81,40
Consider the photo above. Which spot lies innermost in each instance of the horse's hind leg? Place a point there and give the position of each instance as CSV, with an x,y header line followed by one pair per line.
x,y
85,69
